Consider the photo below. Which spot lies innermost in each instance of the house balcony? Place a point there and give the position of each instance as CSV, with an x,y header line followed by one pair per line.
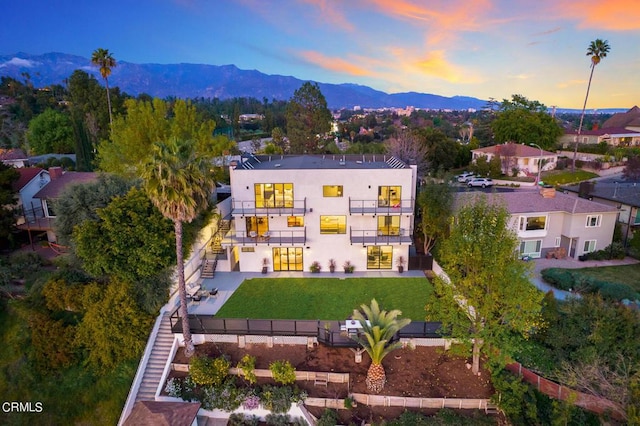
x,y
271,238
248,208
375,237
381,207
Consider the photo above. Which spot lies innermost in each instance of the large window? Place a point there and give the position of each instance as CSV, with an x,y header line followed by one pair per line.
x,y
379,257
530,248
594,221
274,195
287,259
388,225
295,221
533,223
256,225
589,246
332,191
333,224
389,196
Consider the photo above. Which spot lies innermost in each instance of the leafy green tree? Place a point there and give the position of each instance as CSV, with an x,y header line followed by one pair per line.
x,y
80,203
51,132
378,327
8,199
632,168
308,120
523,121
488,295
132,242
114,328
435,202
133,135
441,152
597,50
104,60
179,182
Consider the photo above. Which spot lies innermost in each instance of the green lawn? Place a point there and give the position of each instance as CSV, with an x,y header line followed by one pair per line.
x,y
325,298
564,177
625,274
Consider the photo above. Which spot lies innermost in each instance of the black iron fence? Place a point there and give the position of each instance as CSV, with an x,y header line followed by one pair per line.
x,y
331,333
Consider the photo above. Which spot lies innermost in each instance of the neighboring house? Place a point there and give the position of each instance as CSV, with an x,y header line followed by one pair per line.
x,y
547,220
614,136
59,182
624,195
621,129
523,158
14,157
159,413
291,211
31,180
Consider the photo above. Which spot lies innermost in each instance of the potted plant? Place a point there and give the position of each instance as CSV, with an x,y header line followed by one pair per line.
x,y
400,262
315,267
332,266
265,265
348,267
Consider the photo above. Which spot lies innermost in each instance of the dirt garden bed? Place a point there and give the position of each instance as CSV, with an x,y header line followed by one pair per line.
x,y
426,372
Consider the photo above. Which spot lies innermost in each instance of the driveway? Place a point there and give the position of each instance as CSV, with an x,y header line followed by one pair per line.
x,y
569,263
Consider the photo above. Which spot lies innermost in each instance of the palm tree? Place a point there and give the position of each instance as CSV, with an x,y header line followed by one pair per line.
x,y
378,327
598,50
105,61
178,182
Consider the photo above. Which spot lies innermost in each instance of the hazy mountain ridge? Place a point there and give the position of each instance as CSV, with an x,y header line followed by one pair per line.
x,y
187,80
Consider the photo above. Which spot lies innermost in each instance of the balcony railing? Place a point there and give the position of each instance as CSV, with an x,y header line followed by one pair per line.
x,y
280,238
381,207
248,208
375,237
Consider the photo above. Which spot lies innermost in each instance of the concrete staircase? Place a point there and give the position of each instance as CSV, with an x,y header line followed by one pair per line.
x,y
216,243
208,268
157,361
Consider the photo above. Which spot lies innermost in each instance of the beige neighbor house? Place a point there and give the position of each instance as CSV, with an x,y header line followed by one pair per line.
x,y
523,159
549,222
288,212
622,129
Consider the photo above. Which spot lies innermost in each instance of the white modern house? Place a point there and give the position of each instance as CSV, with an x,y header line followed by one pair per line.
x,y
288,212
31,180
546,220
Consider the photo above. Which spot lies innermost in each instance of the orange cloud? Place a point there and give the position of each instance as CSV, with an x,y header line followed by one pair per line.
x,y
334,64
615,15
329,13
435,65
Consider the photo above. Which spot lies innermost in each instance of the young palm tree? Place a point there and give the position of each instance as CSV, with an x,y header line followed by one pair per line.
x,y
179,184
105,61
598,50
378,327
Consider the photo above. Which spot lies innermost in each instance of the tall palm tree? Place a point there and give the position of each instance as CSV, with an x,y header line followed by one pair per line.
x,y
598,50
105,61
179,184
378,327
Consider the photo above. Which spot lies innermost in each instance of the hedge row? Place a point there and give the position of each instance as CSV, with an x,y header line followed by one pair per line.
x,y
569,280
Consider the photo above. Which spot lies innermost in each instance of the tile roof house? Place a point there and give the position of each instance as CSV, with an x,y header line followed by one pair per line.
x,y
161,413
52,190
622,129
14,157
292,211
31,180
546,221
522,157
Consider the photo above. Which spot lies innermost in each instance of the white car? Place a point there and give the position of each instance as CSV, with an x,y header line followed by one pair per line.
x,y
465,177
483,182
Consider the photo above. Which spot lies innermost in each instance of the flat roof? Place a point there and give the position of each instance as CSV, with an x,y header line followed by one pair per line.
x,y
327,161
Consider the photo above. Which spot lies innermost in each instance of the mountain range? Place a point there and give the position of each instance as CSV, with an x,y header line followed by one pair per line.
x,y
213,81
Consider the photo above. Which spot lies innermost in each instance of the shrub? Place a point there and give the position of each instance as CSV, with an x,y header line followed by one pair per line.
x,y
239,419
315,267
328,418
559,278
26,262
225,397
173,387
277,419
617,291
251,401
208,371
612,251
283,372
248,365
278,399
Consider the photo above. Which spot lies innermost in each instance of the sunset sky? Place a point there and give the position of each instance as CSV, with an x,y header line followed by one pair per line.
x,y
481,48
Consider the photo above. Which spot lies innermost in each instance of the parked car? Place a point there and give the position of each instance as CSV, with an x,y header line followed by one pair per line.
x,y
465,177
483,182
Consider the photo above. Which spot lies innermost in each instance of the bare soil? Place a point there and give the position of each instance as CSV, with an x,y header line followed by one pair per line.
x,y
426,372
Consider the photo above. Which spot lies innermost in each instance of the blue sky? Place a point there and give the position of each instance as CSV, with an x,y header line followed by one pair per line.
x,y
480,48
